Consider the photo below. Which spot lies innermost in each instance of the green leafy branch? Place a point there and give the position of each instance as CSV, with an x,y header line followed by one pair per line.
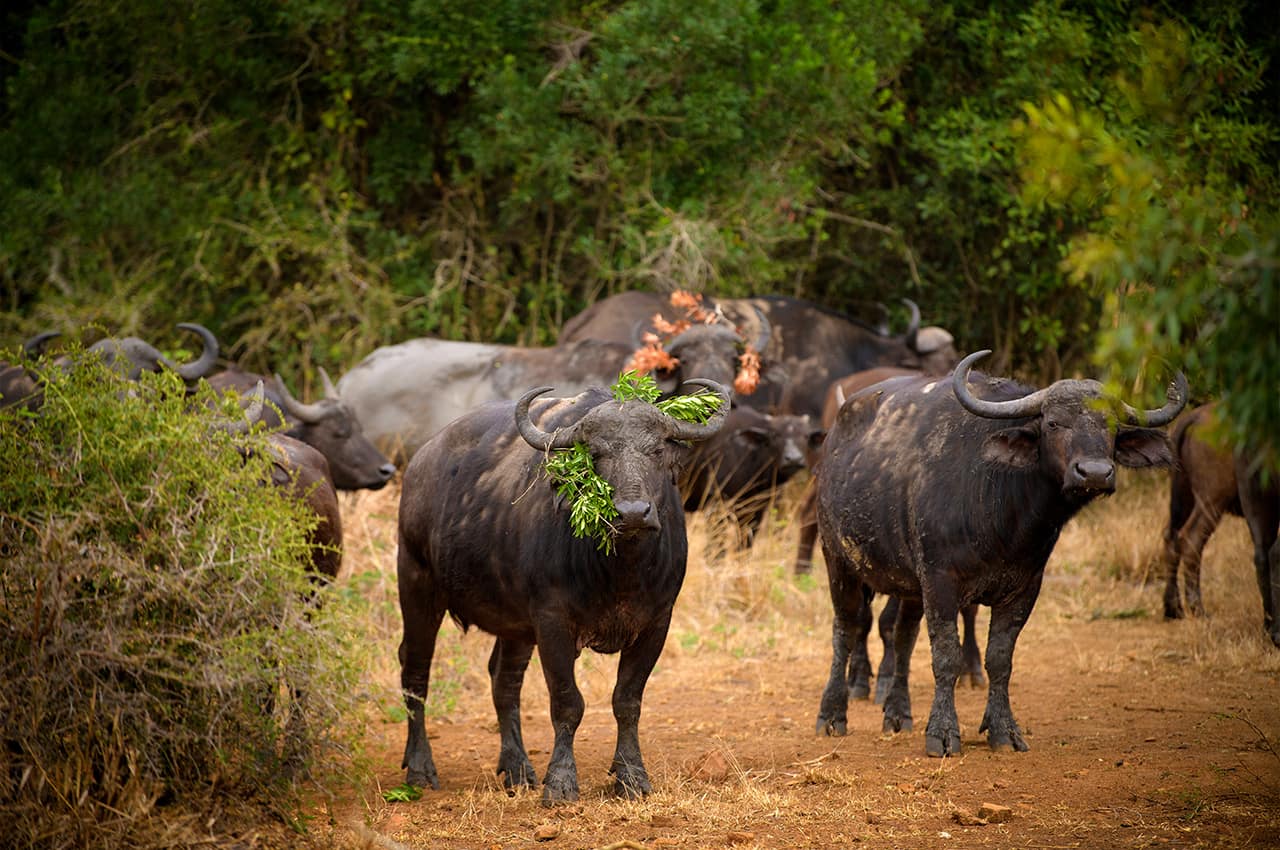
x,y
590,497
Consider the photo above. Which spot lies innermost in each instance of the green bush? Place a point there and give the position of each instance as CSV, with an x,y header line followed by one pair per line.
x,y
163,646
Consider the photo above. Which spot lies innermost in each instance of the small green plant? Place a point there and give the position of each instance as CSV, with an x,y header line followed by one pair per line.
x,y
402,794
590,497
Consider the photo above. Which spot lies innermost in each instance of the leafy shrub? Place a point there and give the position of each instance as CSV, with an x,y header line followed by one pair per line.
x,y
162,645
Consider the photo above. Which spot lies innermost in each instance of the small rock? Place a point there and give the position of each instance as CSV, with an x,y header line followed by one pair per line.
x,y
874,817
546,832
999,783
741,837
711,767
944,834
995,813
964,817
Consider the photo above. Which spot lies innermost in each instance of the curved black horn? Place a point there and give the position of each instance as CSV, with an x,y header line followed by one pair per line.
x,y
765,332
252,413
1014,409
913,327
309,413
200,367
535,436
682,430
34,347
1176,399
329,390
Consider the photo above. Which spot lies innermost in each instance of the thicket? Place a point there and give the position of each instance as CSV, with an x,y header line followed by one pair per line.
x,y
1071,184
163,649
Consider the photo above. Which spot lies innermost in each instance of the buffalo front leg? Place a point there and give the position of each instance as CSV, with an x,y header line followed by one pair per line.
x,y
507,664
558,652
971,666
850,622
807,520
1007,620
422,613
884,624
630,778
942,735
1261,508
897,702
1191,542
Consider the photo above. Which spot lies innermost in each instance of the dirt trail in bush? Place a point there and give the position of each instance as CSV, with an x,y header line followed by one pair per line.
x,y
1142,734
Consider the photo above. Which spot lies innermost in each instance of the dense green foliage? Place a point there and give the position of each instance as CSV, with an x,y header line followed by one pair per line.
x,y
315,179
162,643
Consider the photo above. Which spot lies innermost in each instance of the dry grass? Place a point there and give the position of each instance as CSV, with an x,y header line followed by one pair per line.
x,y
741,618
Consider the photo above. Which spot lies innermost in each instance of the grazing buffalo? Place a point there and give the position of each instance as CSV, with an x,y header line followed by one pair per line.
x,y
303,470
131,356
808,346
741,466
1206,483
17,383
944,497
484,537
328,425
403,394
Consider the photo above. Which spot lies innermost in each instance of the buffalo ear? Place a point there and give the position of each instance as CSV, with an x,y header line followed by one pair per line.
x,y
757,435
1016,447
1143,447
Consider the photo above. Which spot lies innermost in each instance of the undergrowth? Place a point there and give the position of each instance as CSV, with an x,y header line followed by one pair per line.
x,y
165,654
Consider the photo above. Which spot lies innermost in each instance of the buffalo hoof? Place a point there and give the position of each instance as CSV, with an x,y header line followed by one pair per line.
x,y
861,689
1172,612
882,689
832,726
896,723
560,786
631,783
975,678
1275,638
942,744
423,779
517,772
1004,736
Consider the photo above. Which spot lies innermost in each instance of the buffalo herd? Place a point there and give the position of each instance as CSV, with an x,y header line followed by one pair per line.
x,y
930,483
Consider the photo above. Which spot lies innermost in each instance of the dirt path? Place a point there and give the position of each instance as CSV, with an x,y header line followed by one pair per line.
x,y
1143,733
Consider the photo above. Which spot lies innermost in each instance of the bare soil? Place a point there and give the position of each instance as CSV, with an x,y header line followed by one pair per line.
x,y
1143,733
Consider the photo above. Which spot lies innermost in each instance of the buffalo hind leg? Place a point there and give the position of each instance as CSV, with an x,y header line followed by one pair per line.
x,y
507,664
558,651
422,613
897,702
630,778
1007,620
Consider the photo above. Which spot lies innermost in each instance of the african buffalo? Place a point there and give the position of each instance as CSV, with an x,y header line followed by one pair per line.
x,y
17,383
753,454
303,470
945,497
403,394
808,346
1206,483
328,425
484,537
860,661
131,356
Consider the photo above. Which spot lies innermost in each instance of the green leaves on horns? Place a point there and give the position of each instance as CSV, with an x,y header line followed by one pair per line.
x,y
589,496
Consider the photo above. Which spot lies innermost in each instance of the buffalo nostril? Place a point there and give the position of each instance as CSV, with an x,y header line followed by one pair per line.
x,y
1096,473
634,515
387,470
